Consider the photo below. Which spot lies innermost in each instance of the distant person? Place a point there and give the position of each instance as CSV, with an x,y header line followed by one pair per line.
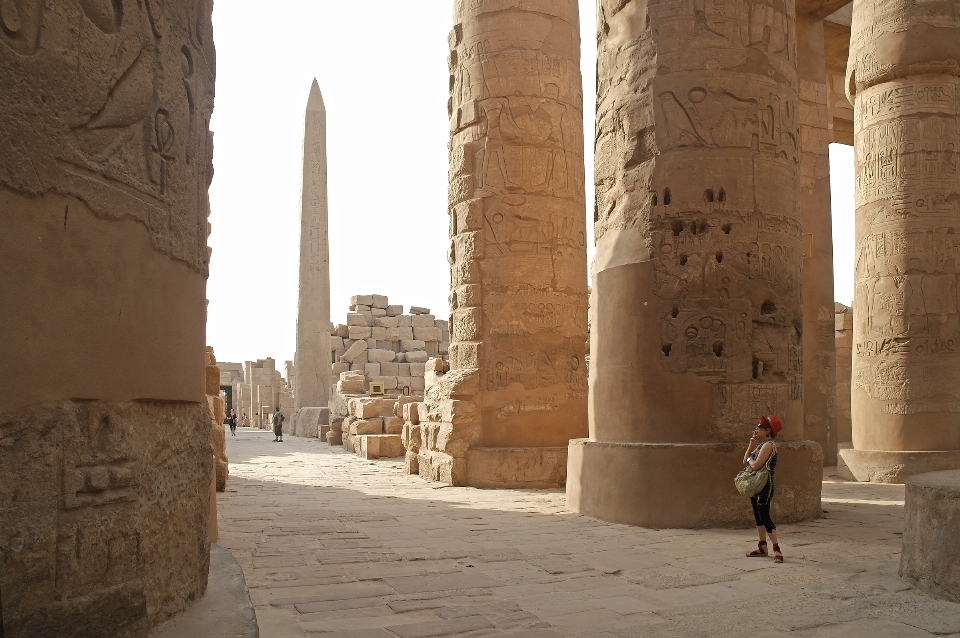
x,y
278,425
763,448
243,420
232,422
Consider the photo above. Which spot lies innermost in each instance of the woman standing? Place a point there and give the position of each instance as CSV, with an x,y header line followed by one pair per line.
x,y
761,449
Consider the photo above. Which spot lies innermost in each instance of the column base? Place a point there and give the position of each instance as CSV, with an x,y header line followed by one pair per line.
x,y
884,466
517,468
930,550
686,485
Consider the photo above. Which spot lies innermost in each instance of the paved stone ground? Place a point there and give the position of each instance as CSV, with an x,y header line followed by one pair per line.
x,y
335,546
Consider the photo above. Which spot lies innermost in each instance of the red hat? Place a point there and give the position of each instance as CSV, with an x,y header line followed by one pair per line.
x,y
774,422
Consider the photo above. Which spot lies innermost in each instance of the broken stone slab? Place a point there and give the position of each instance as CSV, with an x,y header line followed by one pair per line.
x,y
354,351
417,310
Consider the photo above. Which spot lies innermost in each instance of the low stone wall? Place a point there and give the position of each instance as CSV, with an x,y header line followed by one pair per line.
x,y
105,531
930,559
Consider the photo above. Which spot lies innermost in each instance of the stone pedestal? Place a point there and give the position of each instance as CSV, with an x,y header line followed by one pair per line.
x,y
904,78
518,242
696,308
930,559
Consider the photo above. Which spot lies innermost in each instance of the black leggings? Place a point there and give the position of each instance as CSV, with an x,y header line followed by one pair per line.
x,y
761,512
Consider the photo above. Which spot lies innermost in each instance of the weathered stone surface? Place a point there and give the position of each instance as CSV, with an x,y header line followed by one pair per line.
x,y
906,368
366,426
350,383
309,422
930,558
377,446
357,320
417,310
426,333
364,407
378,355
692,336
417,356
354,351
392,425
360,332
313,375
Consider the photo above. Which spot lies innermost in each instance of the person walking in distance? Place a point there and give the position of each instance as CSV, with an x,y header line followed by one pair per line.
x,y
278,426
761,449
232,422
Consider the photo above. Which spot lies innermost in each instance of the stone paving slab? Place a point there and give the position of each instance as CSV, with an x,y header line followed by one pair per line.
x,y
335,546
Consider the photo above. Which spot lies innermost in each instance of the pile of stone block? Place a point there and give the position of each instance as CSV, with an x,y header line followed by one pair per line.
x,y
369,426
387,346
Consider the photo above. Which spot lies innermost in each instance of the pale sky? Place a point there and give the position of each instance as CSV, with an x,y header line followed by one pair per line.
x,y
382,69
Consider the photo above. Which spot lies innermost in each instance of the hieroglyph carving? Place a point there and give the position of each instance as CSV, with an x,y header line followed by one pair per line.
x,y
134,143
518,236
698,149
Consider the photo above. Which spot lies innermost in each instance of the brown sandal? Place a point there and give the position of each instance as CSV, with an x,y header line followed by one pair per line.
x,y
761,550
777,556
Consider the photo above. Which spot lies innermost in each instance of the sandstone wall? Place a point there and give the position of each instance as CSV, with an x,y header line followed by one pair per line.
x,y
105,463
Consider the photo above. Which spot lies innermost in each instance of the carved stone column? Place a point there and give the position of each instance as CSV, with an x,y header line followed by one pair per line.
x,y
516,392
696,305
819,354
903,78
105,462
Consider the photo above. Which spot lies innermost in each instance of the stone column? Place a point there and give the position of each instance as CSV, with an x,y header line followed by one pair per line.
x,y
819,355
518,247
105,160
312,373
843,336
696,305
903,78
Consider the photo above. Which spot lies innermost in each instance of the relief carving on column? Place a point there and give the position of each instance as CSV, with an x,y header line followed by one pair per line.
x,y
119,117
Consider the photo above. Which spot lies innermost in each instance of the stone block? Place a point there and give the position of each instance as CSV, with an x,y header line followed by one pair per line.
x,y
365,300
426,333
371,343
380,356
377,312
930,559
393,334
403,370
411,413
386,345
417,356
517,468
403,381
366,426
379,333
392,424
444,347
337,368
393,311
383,446
386,322
405,321
364,407
371,370
380,301
389,369
401,357
417,384
389,383
343,330
360,332
334,437
357,319
417,369
404,333
443,324
336,343
408,345
416,310
354,351
422,321
432,348
361,358
350,383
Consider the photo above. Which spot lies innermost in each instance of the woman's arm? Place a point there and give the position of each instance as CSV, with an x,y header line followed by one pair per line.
x,y
762,457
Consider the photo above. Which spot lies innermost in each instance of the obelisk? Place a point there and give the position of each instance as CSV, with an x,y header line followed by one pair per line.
x,y
312,365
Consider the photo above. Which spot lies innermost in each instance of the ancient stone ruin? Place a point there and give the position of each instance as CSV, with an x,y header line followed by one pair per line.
x,y
105,462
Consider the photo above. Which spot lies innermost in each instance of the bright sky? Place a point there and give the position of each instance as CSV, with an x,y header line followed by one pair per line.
x,y
383,73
